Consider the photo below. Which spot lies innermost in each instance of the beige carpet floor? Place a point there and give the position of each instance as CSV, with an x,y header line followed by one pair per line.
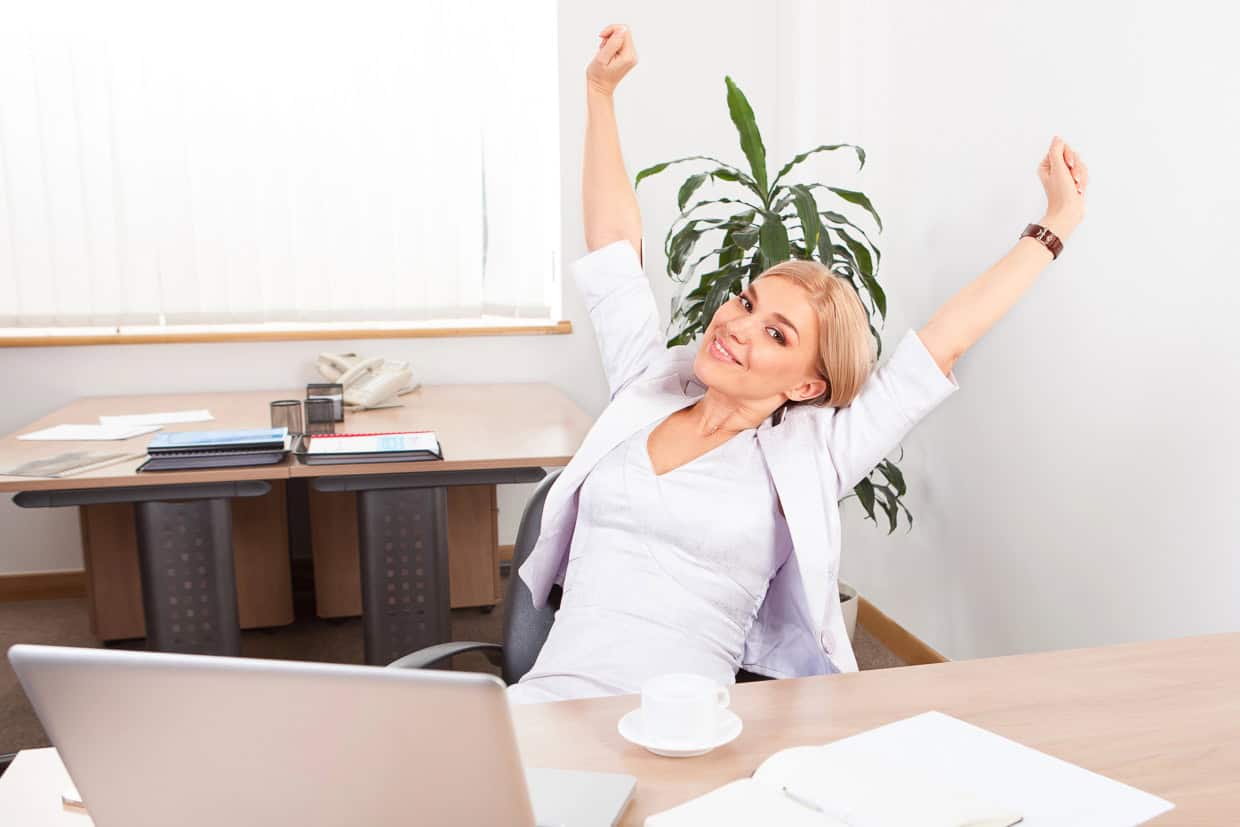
x,y
65,623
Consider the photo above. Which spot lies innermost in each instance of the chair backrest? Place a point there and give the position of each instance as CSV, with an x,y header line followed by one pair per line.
x,y
526,628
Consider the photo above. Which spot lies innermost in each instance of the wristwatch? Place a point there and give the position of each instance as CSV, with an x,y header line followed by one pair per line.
x,y
1049,239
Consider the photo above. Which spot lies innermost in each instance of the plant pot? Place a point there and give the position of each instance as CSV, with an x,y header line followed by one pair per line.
x,y
848,602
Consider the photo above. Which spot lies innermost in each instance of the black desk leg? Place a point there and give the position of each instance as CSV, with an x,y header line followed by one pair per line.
x,y
188,589
403,540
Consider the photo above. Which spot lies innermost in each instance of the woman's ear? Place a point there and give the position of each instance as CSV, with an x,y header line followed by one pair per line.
x,y
808,390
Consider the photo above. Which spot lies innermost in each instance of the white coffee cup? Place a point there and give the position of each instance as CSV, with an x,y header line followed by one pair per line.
x,y
682,707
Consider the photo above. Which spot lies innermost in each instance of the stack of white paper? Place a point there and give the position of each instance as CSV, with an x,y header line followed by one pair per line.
x,y
927,769
89,432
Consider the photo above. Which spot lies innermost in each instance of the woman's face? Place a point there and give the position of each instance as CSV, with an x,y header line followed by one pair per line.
x,y
762,346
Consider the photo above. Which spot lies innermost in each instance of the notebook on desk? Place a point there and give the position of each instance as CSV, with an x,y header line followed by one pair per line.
x,y
186,450
931,770
342,449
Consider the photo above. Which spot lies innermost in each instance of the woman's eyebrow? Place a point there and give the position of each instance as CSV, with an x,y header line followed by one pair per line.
x,y
780,317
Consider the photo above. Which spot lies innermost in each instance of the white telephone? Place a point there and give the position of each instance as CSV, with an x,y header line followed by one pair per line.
x,y
368,383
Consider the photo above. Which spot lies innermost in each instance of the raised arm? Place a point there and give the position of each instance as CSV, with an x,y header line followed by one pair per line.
x,y
608,202
965,317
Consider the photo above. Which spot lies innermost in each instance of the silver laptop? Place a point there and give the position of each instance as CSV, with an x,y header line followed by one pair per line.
x,y
199,740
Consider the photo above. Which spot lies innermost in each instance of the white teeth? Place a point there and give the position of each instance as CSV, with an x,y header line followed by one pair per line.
x,y
719,346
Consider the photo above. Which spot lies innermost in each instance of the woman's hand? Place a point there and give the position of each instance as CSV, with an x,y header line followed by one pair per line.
x,y
1065,177
616,55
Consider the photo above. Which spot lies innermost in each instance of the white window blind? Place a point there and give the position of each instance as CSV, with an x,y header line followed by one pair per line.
x,y
185,163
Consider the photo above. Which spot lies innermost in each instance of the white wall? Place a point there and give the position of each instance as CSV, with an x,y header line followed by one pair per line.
x,y
1078,489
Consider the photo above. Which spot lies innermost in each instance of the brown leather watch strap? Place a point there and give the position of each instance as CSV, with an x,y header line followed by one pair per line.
x,y
1049,239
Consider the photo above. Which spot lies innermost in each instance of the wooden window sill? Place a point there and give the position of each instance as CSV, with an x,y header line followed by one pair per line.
x,y
284,334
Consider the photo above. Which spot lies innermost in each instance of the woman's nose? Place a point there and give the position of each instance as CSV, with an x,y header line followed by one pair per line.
x,y
736,331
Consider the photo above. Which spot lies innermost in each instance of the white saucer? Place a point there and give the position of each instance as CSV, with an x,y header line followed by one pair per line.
x,y
630,727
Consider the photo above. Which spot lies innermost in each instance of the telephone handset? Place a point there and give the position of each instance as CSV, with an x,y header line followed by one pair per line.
x,y
368,383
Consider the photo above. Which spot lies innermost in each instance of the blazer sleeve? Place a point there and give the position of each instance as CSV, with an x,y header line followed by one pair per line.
x,y
897,395
622,311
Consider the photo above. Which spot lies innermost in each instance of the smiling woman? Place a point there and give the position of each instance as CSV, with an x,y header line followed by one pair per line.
x,y
697,528
826,337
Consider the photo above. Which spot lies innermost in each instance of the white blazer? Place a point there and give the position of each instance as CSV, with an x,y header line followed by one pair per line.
x,y
815,456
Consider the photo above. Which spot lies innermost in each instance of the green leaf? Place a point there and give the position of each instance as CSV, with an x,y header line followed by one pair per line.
x,y
862,255
844,257
691,314
729,271
685,213
876,293
747,128
871,284
756,266
824,247
893,475
865,493
657,168
773,240
807,211
720,292
908,514
747,237
696,227
888,504
824,148
859,199
689,187
680,246
840,219
699,292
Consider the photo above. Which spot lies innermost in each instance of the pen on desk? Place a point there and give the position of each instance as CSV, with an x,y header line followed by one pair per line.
x,y
844,816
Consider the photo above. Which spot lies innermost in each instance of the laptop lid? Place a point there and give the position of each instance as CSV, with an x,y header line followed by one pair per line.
x,y
158,739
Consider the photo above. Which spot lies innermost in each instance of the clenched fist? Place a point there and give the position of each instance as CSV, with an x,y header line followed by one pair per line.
x,y
616,55
1065,177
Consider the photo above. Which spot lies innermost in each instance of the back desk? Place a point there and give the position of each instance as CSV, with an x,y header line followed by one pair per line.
x,y
490,434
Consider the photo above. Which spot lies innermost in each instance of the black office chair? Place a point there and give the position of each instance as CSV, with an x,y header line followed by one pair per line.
x,y
525,628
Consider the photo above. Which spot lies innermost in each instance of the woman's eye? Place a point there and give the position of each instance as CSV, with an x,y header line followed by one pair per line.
x,y
776,334
745,303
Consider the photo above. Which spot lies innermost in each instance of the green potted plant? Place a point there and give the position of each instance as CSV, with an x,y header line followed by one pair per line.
x,y
717,244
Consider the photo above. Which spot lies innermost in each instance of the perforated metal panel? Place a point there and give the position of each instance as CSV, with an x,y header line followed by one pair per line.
x,y
404,557
186,557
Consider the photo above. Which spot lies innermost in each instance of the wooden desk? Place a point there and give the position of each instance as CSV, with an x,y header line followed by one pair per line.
x,y
490,434
481,428
259,532
382,532
1162,716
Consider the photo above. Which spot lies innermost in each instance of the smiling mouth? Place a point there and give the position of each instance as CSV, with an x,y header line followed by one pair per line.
x,y
721,353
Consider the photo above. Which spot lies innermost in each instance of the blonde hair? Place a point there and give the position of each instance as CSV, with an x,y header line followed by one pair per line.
x,y
845,350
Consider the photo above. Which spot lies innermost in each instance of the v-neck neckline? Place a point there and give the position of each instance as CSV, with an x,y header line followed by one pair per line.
x,y
649,463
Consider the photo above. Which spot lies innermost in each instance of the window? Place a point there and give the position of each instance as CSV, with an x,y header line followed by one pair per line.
x,y
172,165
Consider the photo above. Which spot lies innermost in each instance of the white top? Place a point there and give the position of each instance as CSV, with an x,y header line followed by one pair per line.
x,y
657,581
814,455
